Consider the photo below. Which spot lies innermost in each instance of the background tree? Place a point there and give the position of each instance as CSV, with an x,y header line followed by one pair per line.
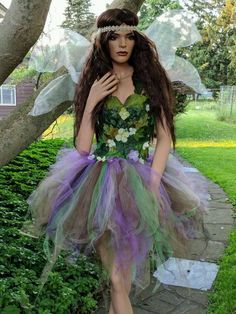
x,y
153,8
215,56
78,16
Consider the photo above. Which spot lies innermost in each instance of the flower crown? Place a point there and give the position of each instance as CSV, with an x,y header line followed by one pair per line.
x,y
116,28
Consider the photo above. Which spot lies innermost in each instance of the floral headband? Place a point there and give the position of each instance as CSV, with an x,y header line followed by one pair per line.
x,y
116,28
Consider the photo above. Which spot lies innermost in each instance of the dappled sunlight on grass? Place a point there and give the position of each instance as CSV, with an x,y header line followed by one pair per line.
x,y
201,143
61,128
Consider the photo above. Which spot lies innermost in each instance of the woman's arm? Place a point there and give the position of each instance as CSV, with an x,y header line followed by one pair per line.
x,y
84,137
162,149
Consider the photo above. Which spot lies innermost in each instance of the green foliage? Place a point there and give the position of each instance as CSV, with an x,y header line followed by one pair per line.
x,y
181,103
153,8
20,74
78,16
24,74
71,286
215,56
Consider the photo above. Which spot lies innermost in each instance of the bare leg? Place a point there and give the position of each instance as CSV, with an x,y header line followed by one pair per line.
x,y
111,310
127,283
127,275
119,296
120,288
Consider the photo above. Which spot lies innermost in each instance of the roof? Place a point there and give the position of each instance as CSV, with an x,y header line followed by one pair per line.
x,y
2,7
3,10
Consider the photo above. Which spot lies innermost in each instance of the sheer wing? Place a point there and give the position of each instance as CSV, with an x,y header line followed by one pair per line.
x,y
172,30
58,48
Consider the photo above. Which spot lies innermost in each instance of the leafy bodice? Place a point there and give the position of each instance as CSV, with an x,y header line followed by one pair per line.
x,y
126,128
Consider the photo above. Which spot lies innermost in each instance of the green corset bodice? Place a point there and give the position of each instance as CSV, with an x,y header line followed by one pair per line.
x,y
126,128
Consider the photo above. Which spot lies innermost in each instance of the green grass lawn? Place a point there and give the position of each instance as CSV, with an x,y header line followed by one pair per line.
x,y
210,145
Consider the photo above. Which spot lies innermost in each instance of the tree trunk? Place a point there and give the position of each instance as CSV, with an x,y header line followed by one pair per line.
x,y
19,31
19,130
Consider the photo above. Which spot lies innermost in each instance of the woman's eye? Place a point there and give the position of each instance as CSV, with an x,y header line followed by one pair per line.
x,y
131,37
112,37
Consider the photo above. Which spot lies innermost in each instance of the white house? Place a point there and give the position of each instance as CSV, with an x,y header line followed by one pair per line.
x,y
3,11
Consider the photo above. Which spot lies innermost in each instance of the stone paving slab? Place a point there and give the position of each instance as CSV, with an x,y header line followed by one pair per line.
x,y
154,304
219,217
188,307
178,300
141,311
213,251
194,295
219,232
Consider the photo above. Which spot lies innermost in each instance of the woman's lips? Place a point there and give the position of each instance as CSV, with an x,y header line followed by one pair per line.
x,y
122,53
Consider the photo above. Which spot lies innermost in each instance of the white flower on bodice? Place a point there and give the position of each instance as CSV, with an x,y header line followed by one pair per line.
x,y
111,143
122,135
145,145
132,131
124,114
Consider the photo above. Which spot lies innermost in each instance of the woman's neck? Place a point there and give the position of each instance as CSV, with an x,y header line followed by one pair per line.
x,y
122,68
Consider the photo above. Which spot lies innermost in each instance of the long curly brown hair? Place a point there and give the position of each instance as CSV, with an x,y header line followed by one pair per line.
x,y
147,68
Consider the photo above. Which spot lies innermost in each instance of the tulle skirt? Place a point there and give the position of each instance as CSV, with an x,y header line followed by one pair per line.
x,y
82,202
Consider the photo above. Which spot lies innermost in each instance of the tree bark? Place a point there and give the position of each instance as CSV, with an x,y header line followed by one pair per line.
x,y
19,130
127,4
20,29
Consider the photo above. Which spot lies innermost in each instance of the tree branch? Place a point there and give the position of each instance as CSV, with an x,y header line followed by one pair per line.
x,y
19,31
127,4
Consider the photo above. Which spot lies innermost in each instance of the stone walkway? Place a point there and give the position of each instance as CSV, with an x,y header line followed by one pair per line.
x,y
177,300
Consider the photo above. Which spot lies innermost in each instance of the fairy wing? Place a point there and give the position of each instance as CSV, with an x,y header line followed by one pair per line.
x,y
170,31
56,92
54,50
60,47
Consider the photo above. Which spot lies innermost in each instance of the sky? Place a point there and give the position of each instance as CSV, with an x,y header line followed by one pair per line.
x,y
57,8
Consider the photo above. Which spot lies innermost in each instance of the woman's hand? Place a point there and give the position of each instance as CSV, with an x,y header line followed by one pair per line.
x,y
101,88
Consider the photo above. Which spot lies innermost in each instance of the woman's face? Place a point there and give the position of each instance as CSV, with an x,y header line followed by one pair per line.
x,y
121,44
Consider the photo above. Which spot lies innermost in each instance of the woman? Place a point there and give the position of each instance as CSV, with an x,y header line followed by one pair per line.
x,y
118,200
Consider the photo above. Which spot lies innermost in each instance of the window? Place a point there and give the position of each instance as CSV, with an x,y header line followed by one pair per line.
x,y
8,95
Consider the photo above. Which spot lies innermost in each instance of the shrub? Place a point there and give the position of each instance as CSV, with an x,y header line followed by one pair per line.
x,y
70,286
181,102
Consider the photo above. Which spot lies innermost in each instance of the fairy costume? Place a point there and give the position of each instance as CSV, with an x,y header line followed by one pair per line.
x,y
108,190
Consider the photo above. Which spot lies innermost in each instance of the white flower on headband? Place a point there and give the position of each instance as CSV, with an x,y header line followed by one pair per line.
x,y
116,28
